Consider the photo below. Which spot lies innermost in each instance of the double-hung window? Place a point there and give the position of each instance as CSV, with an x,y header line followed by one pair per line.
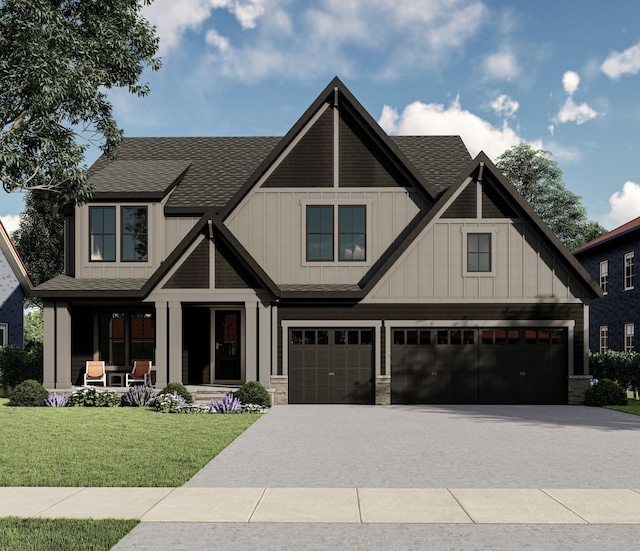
x,y
603,339
4,334
629,337
134,234
103,233
603,269
350,227
629,270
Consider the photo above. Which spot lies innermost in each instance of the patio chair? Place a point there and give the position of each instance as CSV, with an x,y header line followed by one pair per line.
x,y
141,373
95,373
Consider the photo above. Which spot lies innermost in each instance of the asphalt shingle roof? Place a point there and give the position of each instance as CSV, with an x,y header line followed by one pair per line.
x,y
219,166
67,284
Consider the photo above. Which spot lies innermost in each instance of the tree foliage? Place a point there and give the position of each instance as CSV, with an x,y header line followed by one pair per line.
x,y
539,181
58,58
39,238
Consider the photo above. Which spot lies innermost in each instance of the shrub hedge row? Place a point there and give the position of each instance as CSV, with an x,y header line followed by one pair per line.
x,y
622,367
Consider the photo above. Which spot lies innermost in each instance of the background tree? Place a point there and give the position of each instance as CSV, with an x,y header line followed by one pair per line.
x,y
539,181
57,58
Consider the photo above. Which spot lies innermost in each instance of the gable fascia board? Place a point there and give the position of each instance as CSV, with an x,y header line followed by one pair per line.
x,y
604,242
201,227
15,261
377,272
579,271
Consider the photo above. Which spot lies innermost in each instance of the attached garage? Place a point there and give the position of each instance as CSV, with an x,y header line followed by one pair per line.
x,y
331,365
493,365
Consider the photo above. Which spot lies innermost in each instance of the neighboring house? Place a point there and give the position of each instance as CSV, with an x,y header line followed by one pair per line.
x,y
610,260
15,284
335,265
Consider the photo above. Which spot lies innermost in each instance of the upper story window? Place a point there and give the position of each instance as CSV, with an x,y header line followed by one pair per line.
x,y
603,339
629,270
4,334
629,337
134,234
603,270
353,235
478,252
350,226
320,233
103,233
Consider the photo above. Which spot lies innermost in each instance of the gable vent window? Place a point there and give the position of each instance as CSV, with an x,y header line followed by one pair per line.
x,y
319,233
103,233
629,270
352,227
134,234
604,276
478,252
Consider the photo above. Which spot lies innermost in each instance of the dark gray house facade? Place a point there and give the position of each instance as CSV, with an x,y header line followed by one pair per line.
x,y
336,264
15,284
610,260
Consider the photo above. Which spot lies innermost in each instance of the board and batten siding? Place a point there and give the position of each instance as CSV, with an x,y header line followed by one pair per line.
x,y
270,225
433,267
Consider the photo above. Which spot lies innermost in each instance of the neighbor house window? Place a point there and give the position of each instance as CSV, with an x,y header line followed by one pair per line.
x,y
319,233
629,337
604,276
603,339
103,233
629,270
352,240
134,234
478,252
4,334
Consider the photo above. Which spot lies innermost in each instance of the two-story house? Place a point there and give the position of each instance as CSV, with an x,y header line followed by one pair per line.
x,y
610,260
336,264
15,284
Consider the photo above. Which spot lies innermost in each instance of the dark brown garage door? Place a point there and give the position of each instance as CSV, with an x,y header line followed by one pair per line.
x,y
485,366
331,366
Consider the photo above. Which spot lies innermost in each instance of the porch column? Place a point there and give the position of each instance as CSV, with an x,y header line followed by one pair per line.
x,y
251,341
175,342
264,348
63,345
161,345
49,361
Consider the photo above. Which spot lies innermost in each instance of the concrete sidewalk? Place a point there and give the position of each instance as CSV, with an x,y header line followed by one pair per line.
x,y
329,505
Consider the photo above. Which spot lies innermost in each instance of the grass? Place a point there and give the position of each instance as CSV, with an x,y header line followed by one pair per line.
x,y
109,446
40,534
633,406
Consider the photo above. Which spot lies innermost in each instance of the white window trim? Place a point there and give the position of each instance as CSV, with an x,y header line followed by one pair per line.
x,y
627,333
601,274
603,330
467,230
4,334
630,254
335,203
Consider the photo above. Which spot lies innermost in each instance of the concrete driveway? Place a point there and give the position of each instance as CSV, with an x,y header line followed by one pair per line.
x,y
458,446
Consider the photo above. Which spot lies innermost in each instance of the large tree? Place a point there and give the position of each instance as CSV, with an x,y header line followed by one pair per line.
x,y
539,180
58,58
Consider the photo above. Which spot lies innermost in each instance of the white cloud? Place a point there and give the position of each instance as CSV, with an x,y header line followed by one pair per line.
x,y
478,135
298,39
619,64
10,222
570,81
625,205
573,112
502,65
504,106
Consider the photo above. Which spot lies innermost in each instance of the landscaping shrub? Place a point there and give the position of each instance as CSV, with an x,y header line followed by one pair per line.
x,y
18,365
229,404
253,392
56,401
606,392
28,393
622,367
90,396
172,388
168,403
139,396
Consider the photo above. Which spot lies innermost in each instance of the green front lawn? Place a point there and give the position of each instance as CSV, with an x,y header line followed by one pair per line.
x,y
40,534
633,406
109,446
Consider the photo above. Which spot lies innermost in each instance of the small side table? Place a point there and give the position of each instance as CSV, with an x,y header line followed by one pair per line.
x,y
119,377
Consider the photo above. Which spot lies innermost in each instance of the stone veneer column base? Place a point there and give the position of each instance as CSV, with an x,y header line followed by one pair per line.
x,y
383,391
578,386
280,384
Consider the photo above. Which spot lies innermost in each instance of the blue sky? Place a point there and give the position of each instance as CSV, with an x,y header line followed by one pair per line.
x,y
562,75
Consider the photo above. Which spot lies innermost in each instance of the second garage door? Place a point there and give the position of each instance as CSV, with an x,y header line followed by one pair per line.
x,y
478,365
331,366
